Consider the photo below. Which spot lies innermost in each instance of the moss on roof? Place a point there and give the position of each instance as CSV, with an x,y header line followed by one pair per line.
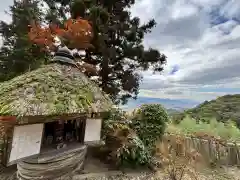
x,y
50,90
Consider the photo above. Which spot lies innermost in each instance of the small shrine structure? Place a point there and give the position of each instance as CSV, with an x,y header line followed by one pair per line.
x,y
48,117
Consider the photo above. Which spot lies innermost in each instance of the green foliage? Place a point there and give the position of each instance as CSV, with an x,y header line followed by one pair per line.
x,y
124,147
18,54
117,36
222,109
115,114
149,123
112,118
134,153
5,110
177,117
227,131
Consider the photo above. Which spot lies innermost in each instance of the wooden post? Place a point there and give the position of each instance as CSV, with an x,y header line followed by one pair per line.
x,y
238,154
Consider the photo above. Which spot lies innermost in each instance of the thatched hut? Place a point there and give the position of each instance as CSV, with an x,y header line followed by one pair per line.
x,y
48,116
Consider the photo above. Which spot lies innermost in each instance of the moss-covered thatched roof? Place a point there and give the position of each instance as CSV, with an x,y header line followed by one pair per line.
x,y
51,90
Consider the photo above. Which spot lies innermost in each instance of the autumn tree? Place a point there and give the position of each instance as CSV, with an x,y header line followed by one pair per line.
x,y
18,54
118,43
76,34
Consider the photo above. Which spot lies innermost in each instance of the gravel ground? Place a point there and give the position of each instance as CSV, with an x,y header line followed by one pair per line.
x,y
120,176
213,175
8,173
100,174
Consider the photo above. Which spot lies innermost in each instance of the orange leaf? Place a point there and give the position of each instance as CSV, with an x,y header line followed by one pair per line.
x,y
60,32
78,32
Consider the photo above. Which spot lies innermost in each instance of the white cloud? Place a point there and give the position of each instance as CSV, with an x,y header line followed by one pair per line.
x,y
182,10
3,8
231,9
3,15
202,37
185,94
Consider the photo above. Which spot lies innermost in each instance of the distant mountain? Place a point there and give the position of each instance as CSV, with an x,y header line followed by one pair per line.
x,y
176,104
223,109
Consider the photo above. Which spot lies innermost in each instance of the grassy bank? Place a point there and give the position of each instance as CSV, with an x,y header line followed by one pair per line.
x,y
227,131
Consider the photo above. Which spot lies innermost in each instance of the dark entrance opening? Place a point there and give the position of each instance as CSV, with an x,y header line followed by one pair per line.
x,y
59,134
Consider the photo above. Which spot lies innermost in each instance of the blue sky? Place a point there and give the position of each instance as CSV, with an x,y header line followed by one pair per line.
x,y
201,39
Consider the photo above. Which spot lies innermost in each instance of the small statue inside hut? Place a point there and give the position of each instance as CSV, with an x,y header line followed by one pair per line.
x,y
61,133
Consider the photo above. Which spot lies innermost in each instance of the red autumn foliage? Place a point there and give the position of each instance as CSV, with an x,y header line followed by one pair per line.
x,y
77,32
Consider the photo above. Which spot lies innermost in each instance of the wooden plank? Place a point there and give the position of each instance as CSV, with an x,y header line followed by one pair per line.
x,y
26,142
51,118
93,130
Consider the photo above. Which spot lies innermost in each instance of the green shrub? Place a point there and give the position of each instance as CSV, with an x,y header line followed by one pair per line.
x,y
123,146
114,116
134,153
149,123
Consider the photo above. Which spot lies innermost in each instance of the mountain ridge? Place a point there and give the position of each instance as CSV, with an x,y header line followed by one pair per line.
x,y
223,108
176,104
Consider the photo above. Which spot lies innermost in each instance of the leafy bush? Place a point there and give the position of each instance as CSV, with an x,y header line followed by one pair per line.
x,y
149,122
111,118
133,153
132,142
123,146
